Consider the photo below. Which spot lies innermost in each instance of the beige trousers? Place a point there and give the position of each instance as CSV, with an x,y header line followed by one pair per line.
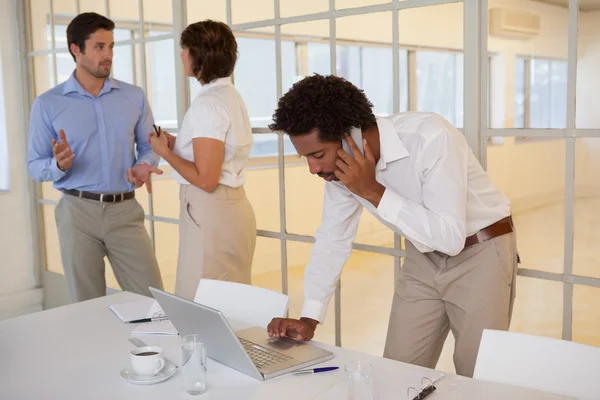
x,y
466,294
89,230
217,237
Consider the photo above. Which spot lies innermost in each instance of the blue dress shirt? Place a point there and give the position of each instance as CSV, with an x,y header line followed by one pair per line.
x,y
101,131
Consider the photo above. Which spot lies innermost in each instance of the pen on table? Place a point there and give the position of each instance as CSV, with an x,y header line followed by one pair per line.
x,y
157,130
138,321
314,370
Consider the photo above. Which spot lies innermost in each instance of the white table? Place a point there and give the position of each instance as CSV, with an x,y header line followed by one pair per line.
x,y
77,351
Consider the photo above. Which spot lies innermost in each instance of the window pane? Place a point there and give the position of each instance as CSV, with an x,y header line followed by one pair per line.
x,y
550,42
165,194
53,262
437,75
368,66
558,99
249,11
303,198
341,4
538,308
519,93
262,189
290,8
586,315
123,63
255,74
312,49
167,245
266,264
588,84
539,100
587,204
298,256
532,175
158,15
125,11
92,6
201,10
403,81
160,72
367,285
319,60
43,74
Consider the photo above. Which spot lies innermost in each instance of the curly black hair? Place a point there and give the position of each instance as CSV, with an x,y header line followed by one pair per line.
x,y
329,103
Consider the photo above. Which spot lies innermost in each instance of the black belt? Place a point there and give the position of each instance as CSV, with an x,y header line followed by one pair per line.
x,y
101,197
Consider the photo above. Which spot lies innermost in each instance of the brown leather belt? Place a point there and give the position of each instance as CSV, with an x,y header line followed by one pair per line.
x,y
101,197
499,228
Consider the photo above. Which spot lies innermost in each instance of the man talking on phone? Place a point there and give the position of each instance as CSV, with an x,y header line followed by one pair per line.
x,y
82,135
417,175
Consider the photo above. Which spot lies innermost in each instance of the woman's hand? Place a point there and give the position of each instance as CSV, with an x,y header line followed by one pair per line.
x,y
160,144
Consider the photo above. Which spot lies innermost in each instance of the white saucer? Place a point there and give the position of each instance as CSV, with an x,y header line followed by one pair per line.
x,y
168,371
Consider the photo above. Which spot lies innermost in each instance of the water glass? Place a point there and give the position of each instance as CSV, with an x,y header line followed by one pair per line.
x,y
193,361
359,381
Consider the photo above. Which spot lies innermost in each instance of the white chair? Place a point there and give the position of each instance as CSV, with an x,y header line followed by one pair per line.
x,y
252,305
551,365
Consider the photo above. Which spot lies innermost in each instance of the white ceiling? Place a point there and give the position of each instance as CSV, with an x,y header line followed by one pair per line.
x,y
584,5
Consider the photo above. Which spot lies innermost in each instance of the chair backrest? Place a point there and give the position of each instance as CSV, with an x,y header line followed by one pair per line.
x,y
252,305
551,365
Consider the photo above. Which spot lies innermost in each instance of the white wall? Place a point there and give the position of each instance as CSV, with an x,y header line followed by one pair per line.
x,y
17,292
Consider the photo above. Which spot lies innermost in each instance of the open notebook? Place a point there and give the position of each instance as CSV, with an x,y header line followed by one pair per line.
x,y
155,328
139,309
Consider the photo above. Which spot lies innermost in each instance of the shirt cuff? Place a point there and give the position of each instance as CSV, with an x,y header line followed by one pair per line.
x,y
314,309
390,206
149,159
57,173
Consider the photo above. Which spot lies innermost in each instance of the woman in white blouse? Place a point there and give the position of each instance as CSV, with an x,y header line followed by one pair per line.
x,y
217,226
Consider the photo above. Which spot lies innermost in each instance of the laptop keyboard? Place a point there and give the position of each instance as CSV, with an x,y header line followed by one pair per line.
x,y
262,357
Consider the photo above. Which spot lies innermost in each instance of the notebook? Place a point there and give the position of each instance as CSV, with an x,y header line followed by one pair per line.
x,y
165,328
139,309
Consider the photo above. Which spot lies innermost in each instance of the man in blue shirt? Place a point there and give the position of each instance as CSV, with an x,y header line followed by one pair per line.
x,y
82,136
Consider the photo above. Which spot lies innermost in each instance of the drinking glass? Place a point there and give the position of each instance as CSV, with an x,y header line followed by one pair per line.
x,y
193,361
359,381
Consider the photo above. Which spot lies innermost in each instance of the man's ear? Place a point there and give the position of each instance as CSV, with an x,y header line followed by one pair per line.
x,y
75,49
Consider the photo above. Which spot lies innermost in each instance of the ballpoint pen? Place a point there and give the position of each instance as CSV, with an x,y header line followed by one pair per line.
x,y
139,321
314,370
157,130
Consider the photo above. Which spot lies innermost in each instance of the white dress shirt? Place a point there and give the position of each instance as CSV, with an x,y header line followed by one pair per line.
x,y
437,194
218,112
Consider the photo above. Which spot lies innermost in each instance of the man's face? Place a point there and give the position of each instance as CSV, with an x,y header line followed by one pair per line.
x,y
321,156
97,59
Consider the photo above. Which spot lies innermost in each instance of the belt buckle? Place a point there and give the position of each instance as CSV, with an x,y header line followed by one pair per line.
x,y
101,197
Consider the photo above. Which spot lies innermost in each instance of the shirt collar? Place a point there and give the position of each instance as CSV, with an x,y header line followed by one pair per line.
x,y
216,82
391,147
73,86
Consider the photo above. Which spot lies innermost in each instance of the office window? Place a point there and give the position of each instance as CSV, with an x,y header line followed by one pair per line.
x,y
540,93
4,170
440,84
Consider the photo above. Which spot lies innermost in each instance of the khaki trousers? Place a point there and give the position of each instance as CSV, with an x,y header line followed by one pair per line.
x,y
89,230
217,237
466,294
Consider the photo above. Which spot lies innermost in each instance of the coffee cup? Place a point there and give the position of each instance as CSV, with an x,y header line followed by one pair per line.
x,y
147,361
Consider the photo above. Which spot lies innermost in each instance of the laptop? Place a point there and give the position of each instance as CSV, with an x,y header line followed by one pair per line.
x,y
249,351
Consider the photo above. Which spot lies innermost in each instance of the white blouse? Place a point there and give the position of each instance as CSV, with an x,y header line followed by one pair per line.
x,y
218,112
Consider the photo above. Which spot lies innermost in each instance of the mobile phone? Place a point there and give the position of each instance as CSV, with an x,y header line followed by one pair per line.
x,y
356,134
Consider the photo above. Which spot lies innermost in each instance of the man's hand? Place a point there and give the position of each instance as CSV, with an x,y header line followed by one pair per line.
x,y
299,329
140,174
358,173
62,152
